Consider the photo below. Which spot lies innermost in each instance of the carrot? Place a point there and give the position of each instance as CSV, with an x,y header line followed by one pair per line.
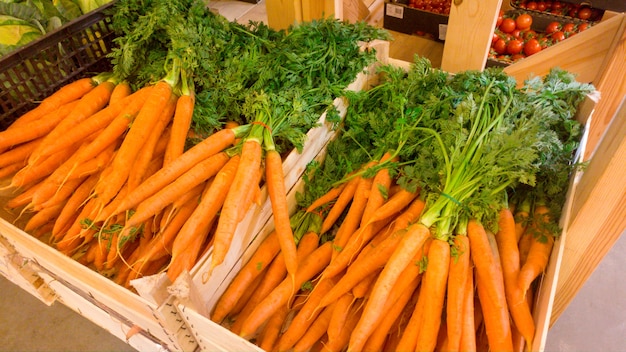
x,y
455,301
275,182
345,316
326,198
37,172
180,127
363,267
468,335
195,229
275,276
409,245
161,246
539,250
241,186
363,287
63,193
312,265
506,240
74,203
134,140
305,317
67,93
272,329
36,129
43,216
379,192
408,335
148,150
490,283
360,237
121,91
91,103
264,254
433,294
315,332
201,151
353,218
23,198
19,153
193,177
393,310
342,202
11,169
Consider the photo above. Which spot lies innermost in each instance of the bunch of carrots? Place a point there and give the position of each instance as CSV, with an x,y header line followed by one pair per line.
x,y
436,230
142,169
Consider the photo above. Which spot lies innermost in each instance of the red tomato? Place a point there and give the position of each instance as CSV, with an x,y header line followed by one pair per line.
x,y
500,46
515,46
528,34
516,33
584,13
494,38
507,25
557,5
553,27
531,5
557,36
568,27
531,47
583,26
541,6
517,56
524,21
500,18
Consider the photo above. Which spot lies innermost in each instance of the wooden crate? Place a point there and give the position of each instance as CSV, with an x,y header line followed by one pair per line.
x,y
197,301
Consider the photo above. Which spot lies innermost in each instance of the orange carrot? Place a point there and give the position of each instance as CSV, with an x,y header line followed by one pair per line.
x,y
362,235
180,127
36,129
43,216
315,332
91,103
410,244
506,240
11,169
310,266
344,318
522,217
305,316
353,218
379,192
393,310
326,198
275,182
193,177
490,283
342,202
133,141
433,293
37,172
74,203
19,153
264,254
242,184
148,150
67,93
195,229
539,251
460,269
201,151
410,331
468,335
121,91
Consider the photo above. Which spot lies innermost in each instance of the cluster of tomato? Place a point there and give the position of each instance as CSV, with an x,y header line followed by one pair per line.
x,y
514,39
441,7
561,8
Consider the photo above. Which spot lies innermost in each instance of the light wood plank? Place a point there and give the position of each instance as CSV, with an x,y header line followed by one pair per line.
x,y
283,13
468,37
598,213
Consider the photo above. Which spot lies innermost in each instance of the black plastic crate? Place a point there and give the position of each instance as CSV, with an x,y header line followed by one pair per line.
x,y
76,50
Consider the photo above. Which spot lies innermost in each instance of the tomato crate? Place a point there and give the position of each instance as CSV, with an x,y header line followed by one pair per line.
x,y
402,16
76,50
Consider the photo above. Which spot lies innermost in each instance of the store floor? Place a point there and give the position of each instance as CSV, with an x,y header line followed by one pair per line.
x,y
594,321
